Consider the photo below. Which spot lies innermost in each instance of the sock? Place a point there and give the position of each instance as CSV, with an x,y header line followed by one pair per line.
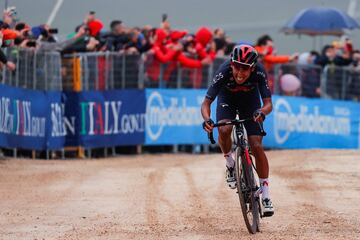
x,y
264,183
230,163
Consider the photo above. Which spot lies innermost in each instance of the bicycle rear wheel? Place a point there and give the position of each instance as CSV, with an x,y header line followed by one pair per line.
x,y
247,188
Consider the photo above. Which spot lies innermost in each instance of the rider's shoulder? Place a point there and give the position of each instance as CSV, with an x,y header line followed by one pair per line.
x,y
260,70
225,66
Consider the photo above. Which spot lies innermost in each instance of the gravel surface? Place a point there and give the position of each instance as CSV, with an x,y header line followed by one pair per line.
x,y
316,194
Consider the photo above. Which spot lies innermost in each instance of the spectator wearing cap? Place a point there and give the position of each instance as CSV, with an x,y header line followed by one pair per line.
x,y
162,53
3,59
203,38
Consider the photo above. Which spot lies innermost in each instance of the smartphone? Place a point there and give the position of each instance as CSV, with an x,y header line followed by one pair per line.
x,y
92,12
164,17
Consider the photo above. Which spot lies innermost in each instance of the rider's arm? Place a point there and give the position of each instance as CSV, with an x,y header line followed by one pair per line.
x,y
205,112
205,108
264,91
267,106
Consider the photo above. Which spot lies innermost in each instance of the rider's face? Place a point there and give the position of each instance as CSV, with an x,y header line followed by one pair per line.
x,y
241,72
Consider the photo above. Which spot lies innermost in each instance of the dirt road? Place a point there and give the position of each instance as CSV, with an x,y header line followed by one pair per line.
x,y
316,195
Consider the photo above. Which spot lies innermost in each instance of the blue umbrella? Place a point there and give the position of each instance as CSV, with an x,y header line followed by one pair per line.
x,y
320,21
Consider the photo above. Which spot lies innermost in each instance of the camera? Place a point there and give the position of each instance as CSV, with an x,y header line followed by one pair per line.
x,y
31,43
53,31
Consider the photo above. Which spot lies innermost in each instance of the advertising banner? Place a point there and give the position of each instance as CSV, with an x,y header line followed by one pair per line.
x,y
98,119
174,117
41,120
298,122
24,118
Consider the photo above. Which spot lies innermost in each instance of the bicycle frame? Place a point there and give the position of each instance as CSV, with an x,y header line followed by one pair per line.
x,y
247,186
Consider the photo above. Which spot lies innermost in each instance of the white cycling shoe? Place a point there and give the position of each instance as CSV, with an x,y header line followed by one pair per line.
x,y
268,208
230,177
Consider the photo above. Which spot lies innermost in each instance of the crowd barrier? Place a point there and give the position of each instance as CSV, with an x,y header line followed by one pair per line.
x,y
331,82
49,120
109,70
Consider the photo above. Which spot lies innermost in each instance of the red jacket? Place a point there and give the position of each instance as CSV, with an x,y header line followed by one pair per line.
x,y
203,37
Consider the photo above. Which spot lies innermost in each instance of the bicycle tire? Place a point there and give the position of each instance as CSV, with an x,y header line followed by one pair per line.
x,y
245,186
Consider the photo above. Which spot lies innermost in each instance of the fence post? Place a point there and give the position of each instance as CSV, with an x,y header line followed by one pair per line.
x,y
276,79
343,83
179,76
17,69
323,82
161,76
34,72
141,74
123,71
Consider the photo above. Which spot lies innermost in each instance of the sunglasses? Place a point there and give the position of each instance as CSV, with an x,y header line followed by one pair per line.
x,y
241,66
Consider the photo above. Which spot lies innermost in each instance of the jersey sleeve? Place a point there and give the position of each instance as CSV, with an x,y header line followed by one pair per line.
x,y
217,82
263,83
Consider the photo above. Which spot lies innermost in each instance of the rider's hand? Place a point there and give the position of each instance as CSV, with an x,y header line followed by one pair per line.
x,y
259,116
208,125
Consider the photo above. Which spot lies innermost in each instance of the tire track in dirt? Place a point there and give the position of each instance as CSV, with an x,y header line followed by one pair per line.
x,y
154,182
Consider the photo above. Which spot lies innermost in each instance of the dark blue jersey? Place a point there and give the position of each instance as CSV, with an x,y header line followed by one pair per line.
x,y
224,83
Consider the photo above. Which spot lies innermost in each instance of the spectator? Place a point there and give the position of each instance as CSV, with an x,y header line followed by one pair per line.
x,y
137,42
356,60
309,74
3,59
266,50
94,25
307,58
220,42
117,38
203,44
330,57
290,85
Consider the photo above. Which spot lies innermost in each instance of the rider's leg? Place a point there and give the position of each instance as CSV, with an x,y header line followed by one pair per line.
x,y
262,164
226,143
261,160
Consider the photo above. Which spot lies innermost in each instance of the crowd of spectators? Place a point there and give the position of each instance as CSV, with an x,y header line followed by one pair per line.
x,y
166,45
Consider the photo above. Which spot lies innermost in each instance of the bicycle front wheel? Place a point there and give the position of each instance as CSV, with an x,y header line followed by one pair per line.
x,y
246,187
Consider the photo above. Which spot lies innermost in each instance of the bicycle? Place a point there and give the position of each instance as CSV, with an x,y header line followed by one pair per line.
x,y
247,180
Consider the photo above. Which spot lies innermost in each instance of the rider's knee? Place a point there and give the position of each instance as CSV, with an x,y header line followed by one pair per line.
x,y
257,146
225,131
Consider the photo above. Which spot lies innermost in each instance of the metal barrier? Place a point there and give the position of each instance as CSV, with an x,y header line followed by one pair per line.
x,y
101,71
108,70
341,83
309,76
34,69
332,82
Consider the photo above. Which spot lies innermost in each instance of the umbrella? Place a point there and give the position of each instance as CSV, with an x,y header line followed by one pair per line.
x,y
320,21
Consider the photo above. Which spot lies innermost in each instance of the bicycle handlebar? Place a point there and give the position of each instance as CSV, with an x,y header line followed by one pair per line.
x,y
233,122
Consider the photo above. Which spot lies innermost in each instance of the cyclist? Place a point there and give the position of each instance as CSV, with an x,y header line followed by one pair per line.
x,y
238,85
